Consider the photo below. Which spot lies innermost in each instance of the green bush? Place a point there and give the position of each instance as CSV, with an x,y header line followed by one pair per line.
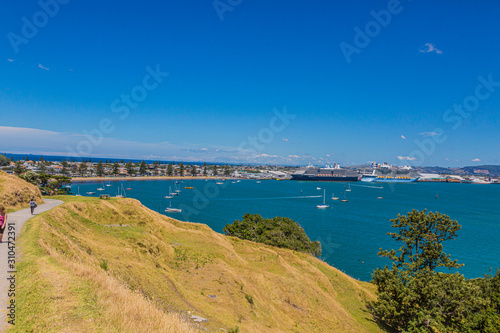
x,y
279,231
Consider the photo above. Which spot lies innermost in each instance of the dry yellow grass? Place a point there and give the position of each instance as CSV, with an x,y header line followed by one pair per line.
x,y
134,259
15,193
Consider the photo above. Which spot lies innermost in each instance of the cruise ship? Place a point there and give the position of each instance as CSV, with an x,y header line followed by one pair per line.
x,y
385,173
329,173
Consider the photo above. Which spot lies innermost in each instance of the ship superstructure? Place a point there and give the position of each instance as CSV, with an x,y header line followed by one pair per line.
x,y
328,173
387,173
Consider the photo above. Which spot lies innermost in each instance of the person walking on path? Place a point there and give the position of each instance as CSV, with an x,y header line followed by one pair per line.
x,y
32,206
3,221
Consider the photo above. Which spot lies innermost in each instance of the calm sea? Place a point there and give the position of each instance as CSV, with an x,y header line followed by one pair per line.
x,y
350,233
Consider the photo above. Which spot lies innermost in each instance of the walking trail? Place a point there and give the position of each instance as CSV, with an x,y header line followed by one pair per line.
x,y
18,218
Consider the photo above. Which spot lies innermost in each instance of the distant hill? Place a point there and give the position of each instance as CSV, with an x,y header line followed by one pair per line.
x,y
114,265
487,170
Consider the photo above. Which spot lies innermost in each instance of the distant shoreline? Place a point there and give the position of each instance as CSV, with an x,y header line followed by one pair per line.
x,y
117,179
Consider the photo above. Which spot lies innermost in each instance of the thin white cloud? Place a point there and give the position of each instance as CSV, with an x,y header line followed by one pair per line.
x,y
403,137
10,60
427,134
429,47
286,140
37,141
406,158
266,155
476,160
328,155
42,67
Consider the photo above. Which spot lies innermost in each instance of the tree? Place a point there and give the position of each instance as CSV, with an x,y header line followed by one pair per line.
x,y
279,231
227,170
142,168
64,170
4,160
413,297
193,170
41,166
100,169
155,169
130,168
115,169
214,170
422,235
31,177
181,169
170,170
18,168
205,169
82,169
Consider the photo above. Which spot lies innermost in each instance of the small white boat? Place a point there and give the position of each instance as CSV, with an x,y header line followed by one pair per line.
x,y
121,192
78,194
345,198
258,182
169,196
323,206
334,197
318,188
380,198
173,210
348,189
90,192
219,183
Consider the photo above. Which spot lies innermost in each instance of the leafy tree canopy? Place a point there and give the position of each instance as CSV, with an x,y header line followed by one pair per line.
x,y
413,297
279,231
4,160
422,236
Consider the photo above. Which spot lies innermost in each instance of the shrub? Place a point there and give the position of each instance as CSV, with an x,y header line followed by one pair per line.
x,y
279,231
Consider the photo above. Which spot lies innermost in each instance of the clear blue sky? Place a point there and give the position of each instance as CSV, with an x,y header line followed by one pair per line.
x,y
227,76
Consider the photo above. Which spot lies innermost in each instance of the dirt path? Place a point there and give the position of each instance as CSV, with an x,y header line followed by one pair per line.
x,y
15,220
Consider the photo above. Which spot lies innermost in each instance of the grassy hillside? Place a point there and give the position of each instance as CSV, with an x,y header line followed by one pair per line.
x,y
116,266
15,193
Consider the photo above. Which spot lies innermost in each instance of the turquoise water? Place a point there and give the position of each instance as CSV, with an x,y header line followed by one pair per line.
x,y
350,233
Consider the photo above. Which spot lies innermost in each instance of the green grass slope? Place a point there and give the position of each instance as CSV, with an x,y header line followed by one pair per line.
x,y
116,266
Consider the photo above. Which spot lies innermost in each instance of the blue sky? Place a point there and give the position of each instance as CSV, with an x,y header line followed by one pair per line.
x,y
230,81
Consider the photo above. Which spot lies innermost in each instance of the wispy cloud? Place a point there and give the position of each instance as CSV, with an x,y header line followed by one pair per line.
x,y
36,141
284,139
10,60
42,67
406,158
476,160
429,47
403,137
427,134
